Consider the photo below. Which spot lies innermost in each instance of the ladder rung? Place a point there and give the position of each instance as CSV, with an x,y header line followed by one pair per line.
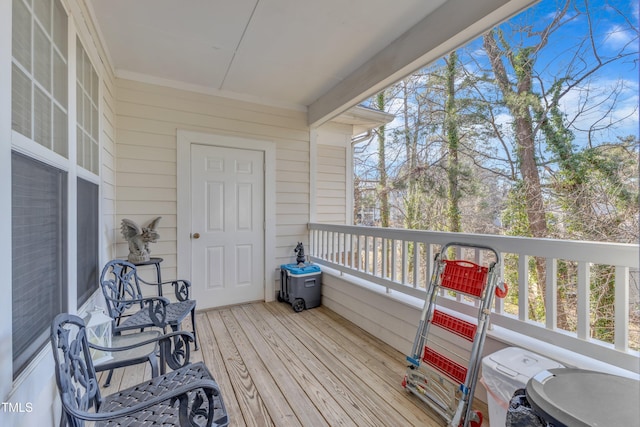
x,y
457,326
453,370
464,276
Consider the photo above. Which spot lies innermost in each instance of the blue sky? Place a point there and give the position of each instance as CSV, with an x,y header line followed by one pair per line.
x,y
615,30
614,25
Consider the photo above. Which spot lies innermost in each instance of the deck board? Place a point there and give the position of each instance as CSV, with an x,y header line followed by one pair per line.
x,y
276,367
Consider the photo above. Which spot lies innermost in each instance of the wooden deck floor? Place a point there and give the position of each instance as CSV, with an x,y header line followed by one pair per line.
x,y
280,368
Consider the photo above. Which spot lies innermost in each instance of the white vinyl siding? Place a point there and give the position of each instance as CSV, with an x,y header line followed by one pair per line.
x,y
331,185
148,119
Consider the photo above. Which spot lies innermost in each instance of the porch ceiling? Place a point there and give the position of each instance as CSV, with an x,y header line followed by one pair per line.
x,y
320,56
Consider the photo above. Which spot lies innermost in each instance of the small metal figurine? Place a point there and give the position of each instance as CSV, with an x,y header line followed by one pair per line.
x,y
300,258
139,238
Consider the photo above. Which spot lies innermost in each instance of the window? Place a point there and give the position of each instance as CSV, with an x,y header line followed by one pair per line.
x,y
87,208
87,111
40,191
39,73
39,254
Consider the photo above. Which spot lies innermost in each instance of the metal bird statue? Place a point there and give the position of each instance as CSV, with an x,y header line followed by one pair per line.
x,y
139,239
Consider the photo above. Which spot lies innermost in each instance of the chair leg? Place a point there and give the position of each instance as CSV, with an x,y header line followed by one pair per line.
x,y
108,382
193,325
153,361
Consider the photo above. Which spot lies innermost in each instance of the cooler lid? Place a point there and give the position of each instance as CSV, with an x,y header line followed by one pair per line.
x,y
295,270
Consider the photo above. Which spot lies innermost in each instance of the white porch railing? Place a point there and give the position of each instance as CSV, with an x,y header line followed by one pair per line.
x,y
401,260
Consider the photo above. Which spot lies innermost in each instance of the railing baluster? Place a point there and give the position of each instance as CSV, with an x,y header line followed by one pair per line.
x,y
416,264
360,253
523,287
499,302
405,264
621,339
583,296
367,263
384,253
375,256
551,297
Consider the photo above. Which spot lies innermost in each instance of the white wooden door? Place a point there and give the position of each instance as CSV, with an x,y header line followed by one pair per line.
x,y
227,221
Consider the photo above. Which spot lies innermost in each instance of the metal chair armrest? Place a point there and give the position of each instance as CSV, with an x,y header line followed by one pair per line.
x,y
181,287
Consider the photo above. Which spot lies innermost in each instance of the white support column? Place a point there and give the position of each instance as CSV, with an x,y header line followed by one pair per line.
x,y
313,174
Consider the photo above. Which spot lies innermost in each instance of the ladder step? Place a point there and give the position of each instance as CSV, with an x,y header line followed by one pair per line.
x,y
464,276
451,369
457,326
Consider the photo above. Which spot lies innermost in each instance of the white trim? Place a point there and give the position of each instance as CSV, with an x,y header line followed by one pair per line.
x,y
313,174
72,174
6,372
30,148
184,140
206,90
349,184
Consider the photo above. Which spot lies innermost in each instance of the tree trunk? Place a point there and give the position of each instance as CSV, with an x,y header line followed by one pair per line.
x,y
451,129
519,104
382,169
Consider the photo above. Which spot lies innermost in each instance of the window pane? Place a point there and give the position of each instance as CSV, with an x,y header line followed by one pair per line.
x,y
79,146
42,118
60,79
95,157
94,85
87,151
95,122
20,102
79,63
60,139
87,240
21,34
87,111
42,9
42,55
79,107
39,257
60,28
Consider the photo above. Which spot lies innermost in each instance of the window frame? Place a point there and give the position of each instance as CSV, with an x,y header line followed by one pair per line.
x,y
68,164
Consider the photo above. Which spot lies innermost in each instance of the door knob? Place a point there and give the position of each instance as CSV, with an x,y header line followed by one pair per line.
x,y
196,235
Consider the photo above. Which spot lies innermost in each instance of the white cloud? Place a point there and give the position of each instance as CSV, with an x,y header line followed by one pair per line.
x,y
618,37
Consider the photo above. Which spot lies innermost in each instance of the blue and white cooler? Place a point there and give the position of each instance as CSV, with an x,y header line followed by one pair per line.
x,y
300,286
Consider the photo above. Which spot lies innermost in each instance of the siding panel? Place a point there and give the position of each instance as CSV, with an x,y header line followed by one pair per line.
x,y
147,123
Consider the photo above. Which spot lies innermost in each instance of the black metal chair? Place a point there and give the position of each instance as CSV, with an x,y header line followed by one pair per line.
x,y
186,396
121,289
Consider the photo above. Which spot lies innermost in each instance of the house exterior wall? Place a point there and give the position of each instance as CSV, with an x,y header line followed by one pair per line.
x,y
333,170
36,384
149,117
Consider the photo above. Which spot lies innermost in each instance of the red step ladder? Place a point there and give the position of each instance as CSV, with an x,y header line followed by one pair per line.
x,y
441,377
